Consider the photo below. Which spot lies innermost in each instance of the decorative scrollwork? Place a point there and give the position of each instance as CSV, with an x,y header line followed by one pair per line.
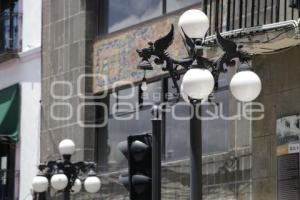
x,y
71,170
195,59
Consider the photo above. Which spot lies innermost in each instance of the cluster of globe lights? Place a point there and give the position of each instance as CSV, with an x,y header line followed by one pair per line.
x,y
59,181
198,83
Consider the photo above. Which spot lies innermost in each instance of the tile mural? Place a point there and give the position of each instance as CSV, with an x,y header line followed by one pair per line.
x,y
115,58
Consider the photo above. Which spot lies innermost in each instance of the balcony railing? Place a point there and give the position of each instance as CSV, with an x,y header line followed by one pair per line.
x,y
10,31
8,180
227,15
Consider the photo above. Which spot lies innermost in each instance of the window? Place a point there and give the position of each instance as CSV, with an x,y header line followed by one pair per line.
x,y
128,115
123,101
177,133
173,5
288,138
124,13
115,15
124,120
9,23
153,94
216,130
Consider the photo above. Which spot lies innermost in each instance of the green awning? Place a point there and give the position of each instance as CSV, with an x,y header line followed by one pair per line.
x,y
10,112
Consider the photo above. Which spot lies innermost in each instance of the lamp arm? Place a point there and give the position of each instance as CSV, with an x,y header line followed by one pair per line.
x,y
175,76
50,168
184,62
171,65
72,170
158,49
245,56
80,166
175,67
72,173
231,51
84,166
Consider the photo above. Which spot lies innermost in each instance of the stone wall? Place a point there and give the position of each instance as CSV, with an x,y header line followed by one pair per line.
x,y
69,26
280,74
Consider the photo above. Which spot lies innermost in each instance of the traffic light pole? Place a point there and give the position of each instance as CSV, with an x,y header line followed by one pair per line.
x,y
196,153
156,153
66,194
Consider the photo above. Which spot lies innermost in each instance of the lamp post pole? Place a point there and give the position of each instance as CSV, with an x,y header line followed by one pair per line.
x,y
68,170
201,78
196,152
156,153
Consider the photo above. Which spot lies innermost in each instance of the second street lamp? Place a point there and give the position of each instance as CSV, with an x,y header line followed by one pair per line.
x,y
64,175
201,78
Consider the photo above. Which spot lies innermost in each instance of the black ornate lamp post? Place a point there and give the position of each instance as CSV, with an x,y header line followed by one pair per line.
x,y
201,77
64,175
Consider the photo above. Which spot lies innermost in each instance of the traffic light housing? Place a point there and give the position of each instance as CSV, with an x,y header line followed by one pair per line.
x,y
138,150
294,3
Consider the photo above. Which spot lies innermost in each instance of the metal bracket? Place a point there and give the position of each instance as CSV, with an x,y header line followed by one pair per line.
x,y
71,170
158,50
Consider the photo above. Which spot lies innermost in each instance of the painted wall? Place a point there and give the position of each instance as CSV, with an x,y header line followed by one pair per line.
x,y
26,71
31,24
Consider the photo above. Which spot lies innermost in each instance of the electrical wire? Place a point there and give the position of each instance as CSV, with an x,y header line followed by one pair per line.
x,y
256,41
287,30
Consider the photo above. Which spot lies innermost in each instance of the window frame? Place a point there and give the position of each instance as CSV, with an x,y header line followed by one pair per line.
x,y
103,17
102,138
165,83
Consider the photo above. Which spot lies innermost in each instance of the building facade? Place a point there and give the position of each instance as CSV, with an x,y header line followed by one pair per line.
x,y
20,94
92,92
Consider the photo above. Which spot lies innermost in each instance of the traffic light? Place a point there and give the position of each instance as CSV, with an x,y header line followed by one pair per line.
x,y
138,150
294,4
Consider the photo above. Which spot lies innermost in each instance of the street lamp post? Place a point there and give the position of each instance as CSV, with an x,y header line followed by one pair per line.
x,y
64,175
156,152
201,78
195,154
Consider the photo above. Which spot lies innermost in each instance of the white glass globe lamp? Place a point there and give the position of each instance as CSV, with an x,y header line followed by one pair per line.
x,y
198,83
92,184
40,184
194,23
59,181
76,187
245,86
66,147
184,96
